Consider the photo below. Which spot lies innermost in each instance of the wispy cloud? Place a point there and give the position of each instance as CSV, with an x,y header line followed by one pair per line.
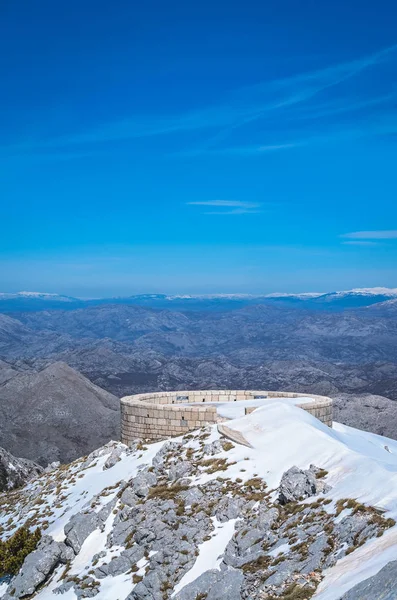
x,y
247,150
233,203
265,100
381,234
360,243
232,207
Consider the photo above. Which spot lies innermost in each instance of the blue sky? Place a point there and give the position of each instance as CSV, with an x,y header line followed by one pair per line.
x,y
197,147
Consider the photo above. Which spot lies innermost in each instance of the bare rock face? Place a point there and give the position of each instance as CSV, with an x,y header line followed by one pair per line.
x,y
15,472
38,566
369,412
297,485
214,585
56,414
79,528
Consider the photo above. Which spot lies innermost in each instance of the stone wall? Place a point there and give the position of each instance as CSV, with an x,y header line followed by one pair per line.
x,y
160,415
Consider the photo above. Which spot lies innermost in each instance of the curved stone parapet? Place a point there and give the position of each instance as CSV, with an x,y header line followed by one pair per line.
x,y
156,416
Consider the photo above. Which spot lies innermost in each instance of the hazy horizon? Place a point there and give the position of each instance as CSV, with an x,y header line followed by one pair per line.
x,y
182,294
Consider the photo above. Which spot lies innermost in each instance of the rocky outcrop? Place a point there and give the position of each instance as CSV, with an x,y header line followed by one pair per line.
x,y
37,567
79,528
214,585
185,519
15,472
296,485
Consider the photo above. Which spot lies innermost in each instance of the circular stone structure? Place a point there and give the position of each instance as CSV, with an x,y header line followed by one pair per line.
x,y
159,415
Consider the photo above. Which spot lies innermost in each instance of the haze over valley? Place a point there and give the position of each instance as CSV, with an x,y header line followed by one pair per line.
x,y
341,344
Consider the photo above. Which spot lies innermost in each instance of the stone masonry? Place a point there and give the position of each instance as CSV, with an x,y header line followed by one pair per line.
x,y
156,416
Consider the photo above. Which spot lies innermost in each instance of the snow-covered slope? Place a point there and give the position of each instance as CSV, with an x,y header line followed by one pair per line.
x,y
204,517
356,297
383,309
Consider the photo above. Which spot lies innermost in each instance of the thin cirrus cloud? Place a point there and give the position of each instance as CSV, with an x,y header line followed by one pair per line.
x,y
286,97
228,207
380,234
360,243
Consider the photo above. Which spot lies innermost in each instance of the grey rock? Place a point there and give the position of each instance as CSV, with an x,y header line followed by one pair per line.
x,y
128,497
351,527
282,572
135,444
228,586
142,482
217,585
52,466
159,458
245,539
85,589
180,469
106,510
229,508
121,530
144,535
38,565
192,496
213,448
296,485
117,566
150,587
114,458
79,528
382,586
266,517
201,585
64,587
134,554
316,555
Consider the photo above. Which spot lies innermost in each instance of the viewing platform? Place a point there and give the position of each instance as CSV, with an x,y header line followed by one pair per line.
x,y
159,415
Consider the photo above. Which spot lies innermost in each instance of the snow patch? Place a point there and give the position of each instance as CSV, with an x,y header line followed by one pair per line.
x,y
210,553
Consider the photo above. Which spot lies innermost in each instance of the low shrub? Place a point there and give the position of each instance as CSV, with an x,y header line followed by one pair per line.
x,y
14,551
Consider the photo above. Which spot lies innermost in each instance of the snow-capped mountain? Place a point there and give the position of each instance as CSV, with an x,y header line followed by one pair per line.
x,y
340,300
26,301
298,510
36,296
376,291
356,297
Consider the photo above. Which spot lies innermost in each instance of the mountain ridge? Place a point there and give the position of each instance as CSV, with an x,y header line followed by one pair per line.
x,y
55,414
202,517
335,300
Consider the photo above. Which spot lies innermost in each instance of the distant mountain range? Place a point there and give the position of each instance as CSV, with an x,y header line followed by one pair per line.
x,y
51,412
340,300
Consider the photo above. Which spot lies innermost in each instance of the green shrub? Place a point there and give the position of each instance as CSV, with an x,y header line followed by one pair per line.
x,y
14,551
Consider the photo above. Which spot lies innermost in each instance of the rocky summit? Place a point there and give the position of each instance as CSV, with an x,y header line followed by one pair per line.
x,y
299,511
